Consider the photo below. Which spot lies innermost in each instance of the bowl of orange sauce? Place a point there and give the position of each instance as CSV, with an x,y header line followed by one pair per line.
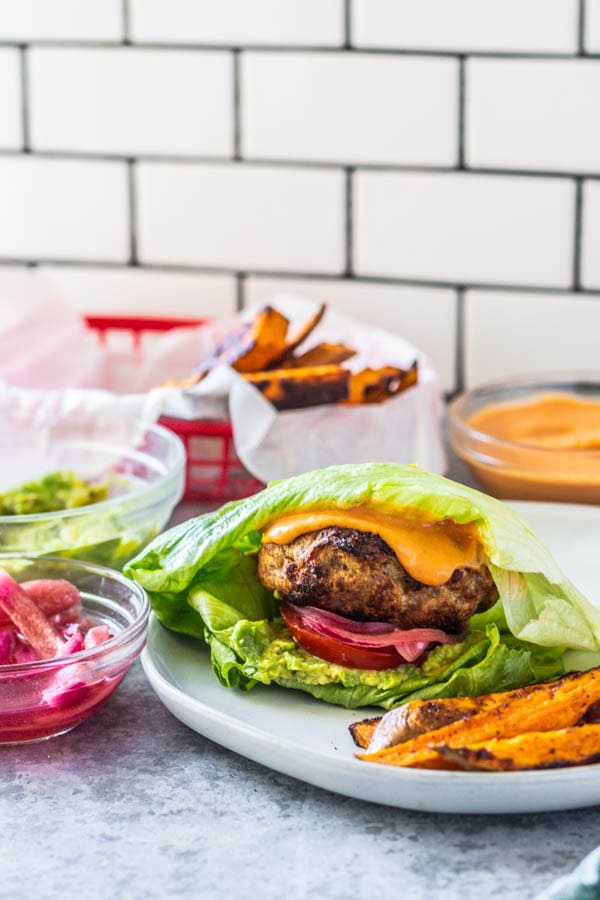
x,y
532,438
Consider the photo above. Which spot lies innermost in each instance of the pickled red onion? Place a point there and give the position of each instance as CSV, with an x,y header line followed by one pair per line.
x,y
409,643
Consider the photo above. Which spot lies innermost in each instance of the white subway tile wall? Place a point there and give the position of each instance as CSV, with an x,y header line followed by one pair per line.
x,y
11,136
70,20
534,114
555,331
590,275
430,167
111,291
592,30
235,215
354,108
63,209
233,22
466,25
131,101
464,228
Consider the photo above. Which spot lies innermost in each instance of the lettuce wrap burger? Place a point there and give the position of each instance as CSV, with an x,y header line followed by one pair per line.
x,y
370,585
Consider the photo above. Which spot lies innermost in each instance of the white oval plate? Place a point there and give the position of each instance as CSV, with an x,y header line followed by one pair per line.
x,y
291,732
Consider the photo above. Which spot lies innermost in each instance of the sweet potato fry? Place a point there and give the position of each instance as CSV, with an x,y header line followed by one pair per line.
x,y
294,342
419,716
542,707
250,348
320,355
362,731
576,746
377,385
298,388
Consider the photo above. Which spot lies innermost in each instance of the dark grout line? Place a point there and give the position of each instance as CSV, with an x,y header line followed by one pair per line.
x,y
237,105
126,15
461,112
240,291
349,232
348,25
25,98
459,350
132,210
581,28
578,232
300,48
282,274
263,163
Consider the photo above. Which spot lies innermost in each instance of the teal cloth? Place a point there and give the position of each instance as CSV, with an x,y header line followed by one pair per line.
x,y
583,883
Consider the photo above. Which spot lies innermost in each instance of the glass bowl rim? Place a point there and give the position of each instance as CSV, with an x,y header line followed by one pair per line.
x,y
175,444
540,380
121,638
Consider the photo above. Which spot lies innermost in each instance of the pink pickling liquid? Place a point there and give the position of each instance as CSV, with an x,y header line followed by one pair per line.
x,y
52,699
26,716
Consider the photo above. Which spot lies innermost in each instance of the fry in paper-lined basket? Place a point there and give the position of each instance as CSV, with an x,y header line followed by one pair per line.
x,y
377,385
261,351
298,388
316,385
324,354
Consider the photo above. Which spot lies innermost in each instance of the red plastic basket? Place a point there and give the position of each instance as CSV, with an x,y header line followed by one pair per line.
x,y
213,471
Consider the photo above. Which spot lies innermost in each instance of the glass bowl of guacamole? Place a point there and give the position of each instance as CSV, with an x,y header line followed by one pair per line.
x,y
98,499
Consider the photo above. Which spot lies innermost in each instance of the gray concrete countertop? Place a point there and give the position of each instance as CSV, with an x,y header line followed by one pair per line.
x,y
133,804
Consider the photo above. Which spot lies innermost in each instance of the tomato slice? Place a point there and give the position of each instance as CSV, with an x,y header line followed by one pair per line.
x,y
337,651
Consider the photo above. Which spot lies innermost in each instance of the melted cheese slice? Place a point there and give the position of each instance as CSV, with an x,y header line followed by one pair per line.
x,y
429,551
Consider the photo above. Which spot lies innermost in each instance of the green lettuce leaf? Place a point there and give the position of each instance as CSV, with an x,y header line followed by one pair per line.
x,y
202,580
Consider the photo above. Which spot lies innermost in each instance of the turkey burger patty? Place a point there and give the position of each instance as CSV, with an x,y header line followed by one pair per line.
x,y
357,575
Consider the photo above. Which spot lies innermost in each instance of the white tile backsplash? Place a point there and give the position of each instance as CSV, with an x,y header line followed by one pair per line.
x,y
344,107
241,216
464,228
131,101
63,209
424,316
467,25
314,22
515,333
534,114
144,292
592,26
11,136
590,248
389,153
81,20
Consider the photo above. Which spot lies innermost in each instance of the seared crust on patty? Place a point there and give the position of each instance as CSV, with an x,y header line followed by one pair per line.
x,y
356,574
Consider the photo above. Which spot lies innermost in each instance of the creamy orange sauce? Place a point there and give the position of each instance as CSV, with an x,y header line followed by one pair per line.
x,y
567,425
554,421
429,551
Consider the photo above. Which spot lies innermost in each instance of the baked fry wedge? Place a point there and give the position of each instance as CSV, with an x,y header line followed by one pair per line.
x,y
578,746
362,731
249,348
377,385
298,388
421,716
298,338
545,707
324,354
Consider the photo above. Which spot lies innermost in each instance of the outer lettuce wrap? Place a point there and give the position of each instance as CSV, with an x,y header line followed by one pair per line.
x,y
201,577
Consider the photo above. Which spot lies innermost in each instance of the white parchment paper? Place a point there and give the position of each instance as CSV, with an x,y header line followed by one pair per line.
x,y
270,444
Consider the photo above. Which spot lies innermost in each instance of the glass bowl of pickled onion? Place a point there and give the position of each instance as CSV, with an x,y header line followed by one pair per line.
x,y
69,632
